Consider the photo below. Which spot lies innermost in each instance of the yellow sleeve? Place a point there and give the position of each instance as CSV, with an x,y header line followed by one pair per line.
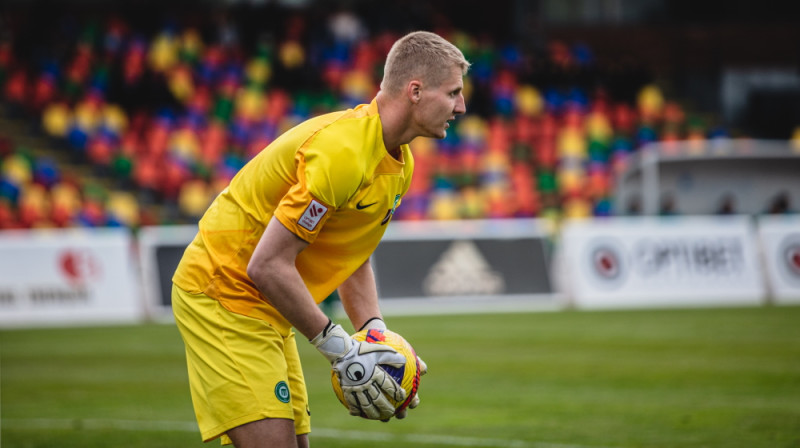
x,y
327,178
334,168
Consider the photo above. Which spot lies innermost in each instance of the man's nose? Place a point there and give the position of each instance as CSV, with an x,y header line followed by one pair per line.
x,y
461,106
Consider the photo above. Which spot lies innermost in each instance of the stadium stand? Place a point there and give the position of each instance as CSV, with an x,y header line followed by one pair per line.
x,y
140,125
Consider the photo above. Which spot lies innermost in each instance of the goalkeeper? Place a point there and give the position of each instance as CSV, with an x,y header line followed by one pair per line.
x,y
299,221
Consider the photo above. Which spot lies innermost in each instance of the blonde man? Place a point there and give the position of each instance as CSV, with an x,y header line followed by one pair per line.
x,y
299,221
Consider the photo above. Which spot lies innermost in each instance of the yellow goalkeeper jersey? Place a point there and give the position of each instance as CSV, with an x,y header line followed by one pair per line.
x,y
329,180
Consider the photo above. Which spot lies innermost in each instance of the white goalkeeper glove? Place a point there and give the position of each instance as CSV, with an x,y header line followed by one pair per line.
x,y
423,369
365,385
378,323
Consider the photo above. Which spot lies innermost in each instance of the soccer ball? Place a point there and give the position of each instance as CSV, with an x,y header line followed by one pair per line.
x,y
407,376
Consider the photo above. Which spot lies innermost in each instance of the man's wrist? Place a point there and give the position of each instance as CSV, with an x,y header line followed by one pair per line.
x,y
333,342
374,322
325,330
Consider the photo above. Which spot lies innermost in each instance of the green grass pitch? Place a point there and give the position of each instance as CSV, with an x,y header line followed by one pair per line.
x,y
612,379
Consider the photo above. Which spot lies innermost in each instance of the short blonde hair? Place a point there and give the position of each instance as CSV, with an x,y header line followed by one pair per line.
x,y
420,55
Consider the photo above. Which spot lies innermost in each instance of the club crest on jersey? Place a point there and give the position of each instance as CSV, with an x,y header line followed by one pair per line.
x,y
313,215
390,213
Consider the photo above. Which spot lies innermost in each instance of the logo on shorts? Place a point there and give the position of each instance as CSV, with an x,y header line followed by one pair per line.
x,y
282,392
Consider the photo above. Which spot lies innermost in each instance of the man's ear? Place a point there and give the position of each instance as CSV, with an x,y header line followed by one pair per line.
x,y
414,91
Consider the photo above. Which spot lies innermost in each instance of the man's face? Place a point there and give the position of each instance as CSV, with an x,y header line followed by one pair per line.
x,y
439,105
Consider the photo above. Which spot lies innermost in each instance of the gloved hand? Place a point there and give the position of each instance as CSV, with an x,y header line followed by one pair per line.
x,y
423,368
364,383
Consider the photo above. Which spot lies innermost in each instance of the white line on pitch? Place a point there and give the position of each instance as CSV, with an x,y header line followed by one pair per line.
x,y
328,433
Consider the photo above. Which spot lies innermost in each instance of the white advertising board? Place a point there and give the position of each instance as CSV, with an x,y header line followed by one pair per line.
x,y
661,262
446,266
780,241
70,276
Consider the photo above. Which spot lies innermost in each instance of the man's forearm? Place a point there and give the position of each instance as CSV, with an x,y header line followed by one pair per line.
x,y
359,296
287,293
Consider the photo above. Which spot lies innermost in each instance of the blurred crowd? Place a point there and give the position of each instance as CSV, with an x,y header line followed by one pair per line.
x,y
166,114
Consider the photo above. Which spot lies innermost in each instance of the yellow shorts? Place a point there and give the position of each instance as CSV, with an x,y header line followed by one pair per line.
x,y
240,368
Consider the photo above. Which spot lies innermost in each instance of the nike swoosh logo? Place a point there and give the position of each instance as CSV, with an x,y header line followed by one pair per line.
x,y
361,206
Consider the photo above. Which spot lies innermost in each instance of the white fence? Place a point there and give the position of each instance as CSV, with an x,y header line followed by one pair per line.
x,y
780,241
71,276
78,276
645,262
